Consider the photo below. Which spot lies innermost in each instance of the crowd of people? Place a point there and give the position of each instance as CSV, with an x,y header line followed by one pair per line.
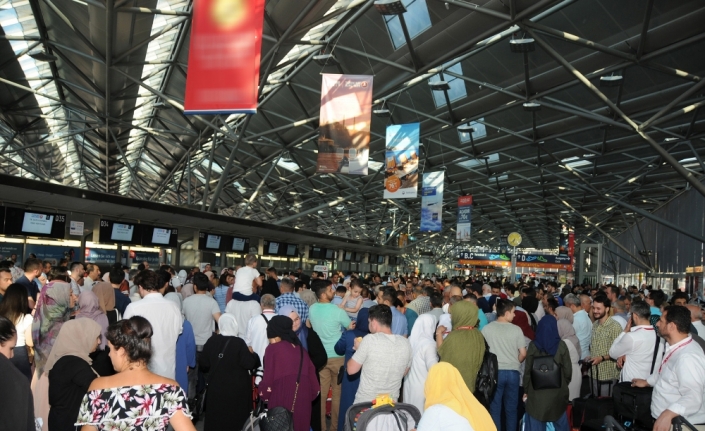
x,y
137,349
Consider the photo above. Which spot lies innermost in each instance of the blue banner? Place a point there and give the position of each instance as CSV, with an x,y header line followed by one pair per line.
x,y
7,249
401,161
52,253
432,201
151,257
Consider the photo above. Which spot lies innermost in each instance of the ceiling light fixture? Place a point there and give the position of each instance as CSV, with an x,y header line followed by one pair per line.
x,y
390,7
611,81
439,86
522,45
326,59
531,106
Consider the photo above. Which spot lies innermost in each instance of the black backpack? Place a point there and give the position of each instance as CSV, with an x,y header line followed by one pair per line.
x,y
361,417
545,373
486,382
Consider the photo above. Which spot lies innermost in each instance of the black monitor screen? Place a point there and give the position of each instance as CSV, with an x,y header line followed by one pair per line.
x,y
380,259
314,253
291,250
239,244
330,254
33,223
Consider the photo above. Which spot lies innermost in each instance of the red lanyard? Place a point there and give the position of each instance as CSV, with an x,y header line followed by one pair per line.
x,y
650,328
671,354
464,327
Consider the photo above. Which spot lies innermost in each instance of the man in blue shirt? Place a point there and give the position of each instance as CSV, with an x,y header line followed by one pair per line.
x,y
288,297
399,323
32,269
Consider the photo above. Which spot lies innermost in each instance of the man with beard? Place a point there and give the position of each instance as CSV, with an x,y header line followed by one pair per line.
x,y
604,331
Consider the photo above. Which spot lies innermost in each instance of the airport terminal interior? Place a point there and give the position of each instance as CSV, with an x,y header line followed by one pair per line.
x,y
553,138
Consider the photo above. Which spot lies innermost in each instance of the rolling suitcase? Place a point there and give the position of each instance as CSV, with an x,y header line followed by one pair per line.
x,y
592,407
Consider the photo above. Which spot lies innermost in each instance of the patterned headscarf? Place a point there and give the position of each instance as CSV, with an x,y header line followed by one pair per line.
x,y
52,310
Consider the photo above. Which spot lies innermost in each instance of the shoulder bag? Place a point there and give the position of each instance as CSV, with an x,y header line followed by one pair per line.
x,y
199,402
279,418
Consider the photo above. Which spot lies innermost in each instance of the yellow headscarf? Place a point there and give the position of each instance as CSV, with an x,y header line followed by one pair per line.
x,y
445,385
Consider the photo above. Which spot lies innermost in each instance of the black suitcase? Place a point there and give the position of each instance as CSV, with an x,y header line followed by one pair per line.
x,y
633,404
592,425
591,407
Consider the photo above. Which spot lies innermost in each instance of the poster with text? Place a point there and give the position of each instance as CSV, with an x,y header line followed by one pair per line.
x,y
224,57
464,218
401,160
346,113
432,201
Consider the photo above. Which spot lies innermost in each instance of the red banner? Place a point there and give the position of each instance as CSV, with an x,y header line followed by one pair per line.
x,y
571,247
224,57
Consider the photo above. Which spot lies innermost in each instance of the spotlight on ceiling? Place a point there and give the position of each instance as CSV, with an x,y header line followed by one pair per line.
x,y
286,157
42,56
383,113
390,7
439,86
611,81
162,105
326,59
466,128
532,106
522,45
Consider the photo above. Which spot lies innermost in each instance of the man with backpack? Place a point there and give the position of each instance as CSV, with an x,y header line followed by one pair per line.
x,y
507,342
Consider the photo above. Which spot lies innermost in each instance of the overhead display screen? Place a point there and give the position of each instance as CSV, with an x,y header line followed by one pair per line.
x,y
380,259
33,223
273,248
347,256
37,223
161,236
213,241
330,254
292,250
122,232
158,236
314,253
240,244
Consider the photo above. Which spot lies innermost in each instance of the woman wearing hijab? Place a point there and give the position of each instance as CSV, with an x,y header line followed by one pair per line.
x,y
424,356
229,399
464,347
89,308
106,301
283,359
54,305
450,405
314,347
70,372
344,347
567,333
547,405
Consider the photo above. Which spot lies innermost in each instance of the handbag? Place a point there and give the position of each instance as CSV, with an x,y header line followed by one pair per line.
x,y
279,418
545,373
199,401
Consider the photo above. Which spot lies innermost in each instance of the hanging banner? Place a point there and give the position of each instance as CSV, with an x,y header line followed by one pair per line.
x,y
401,174
224,57
346,113
432,201
464,218
571,247
563,241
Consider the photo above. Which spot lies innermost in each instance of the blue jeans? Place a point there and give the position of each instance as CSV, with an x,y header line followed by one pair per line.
x,y
506,396
531,424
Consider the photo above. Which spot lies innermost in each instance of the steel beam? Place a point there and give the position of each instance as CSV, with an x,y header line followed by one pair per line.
x,y
332,203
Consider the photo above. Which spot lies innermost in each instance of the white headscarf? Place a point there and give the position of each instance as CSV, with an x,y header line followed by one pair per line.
x,y
182,276
422,332
228,325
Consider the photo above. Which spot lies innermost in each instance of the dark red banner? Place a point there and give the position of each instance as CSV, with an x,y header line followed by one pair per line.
x,y
224,57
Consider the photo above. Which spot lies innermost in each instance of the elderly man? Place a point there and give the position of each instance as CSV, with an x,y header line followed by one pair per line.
x,y
581,322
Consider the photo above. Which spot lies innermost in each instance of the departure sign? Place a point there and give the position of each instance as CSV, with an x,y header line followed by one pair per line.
x,y
34,223
120,232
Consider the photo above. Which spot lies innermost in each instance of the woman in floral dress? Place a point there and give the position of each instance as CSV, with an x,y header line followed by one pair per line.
x,y
134,398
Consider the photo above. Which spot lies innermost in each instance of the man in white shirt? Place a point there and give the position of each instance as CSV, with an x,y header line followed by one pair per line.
x,y
243,310
581,322
165,318
93,276
384,358
696,319
635,346
76,274
679,379
256,335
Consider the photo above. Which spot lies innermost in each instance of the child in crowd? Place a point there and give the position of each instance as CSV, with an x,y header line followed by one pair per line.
x,y
340,292
352,302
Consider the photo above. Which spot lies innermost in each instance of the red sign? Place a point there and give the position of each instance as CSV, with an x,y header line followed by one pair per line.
x,y
224,57
464,201
571,247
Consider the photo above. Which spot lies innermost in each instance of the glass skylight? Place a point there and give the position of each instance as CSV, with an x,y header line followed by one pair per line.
x,y
457,86
468,164
417,21
575,162
480,131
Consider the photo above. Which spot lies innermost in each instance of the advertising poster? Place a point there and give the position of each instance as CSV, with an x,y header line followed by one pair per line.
x,y
563,241
432,201
224,57
464,218
7,249
346,113
401,175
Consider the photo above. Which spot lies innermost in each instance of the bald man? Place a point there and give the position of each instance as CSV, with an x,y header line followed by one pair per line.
x,y
696,319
